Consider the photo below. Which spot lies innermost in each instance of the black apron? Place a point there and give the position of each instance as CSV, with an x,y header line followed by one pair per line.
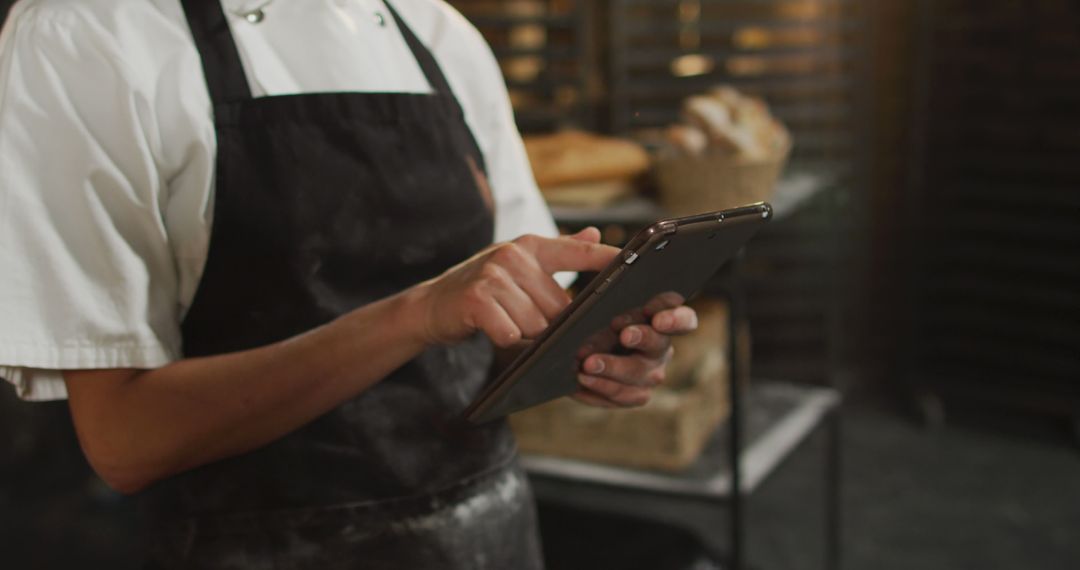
x,y
323,203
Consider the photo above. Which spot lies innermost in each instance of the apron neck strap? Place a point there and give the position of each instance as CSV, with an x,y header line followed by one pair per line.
x,y
225,77
432,72
224,72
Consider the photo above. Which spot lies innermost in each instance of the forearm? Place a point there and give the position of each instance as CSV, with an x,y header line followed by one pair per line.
x,y
140,426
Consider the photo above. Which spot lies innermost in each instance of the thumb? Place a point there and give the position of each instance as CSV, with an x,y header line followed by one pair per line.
x,y
590,234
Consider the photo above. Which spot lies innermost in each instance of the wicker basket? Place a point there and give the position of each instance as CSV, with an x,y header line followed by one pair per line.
x,y
716,181
667,434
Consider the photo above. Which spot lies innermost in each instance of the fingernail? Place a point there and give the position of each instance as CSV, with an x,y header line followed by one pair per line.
x,y
594,366
633,337
587,380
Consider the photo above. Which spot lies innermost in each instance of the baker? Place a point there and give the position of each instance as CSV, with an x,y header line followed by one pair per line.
x,y
265,248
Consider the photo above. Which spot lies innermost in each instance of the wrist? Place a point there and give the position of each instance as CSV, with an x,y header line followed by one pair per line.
x,y
418,314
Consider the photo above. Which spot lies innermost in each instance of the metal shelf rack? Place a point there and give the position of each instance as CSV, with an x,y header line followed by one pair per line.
x,y
544,51
777,418
765,424
807,59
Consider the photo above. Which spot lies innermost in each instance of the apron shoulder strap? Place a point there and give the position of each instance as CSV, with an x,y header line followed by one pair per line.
x,y
224,72
423,56
437,80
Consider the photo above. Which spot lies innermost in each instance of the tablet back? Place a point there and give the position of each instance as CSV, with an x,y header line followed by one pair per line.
x,y
663,266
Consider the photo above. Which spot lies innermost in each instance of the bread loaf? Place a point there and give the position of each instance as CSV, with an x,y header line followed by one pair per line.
x,y
715,118
688,140
574,157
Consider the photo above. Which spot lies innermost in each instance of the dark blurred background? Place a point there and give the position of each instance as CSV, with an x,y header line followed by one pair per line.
x,y
933,279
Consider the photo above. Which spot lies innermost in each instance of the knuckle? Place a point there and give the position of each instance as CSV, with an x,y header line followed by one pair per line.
x,y
641,368
509,252
614,367
494,274
605,388
551,310
672,299
526,241
475,295
489,270
537,326
652,339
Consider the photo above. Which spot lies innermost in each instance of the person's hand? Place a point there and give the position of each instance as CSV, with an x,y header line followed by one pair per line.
x,y
507,291
610,380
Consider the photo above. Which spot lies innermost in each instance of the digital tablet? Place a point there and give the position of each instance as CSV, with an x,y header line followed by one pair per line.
x,y
662,266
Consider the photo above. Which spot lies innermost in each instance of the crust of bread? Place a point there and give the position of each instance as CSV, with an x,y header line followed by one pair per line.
x,y
573,157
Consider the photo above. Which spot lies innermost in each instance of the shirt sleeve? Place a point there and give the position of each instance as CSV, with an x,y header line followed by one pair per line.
x,y
519,206
475,76
89,278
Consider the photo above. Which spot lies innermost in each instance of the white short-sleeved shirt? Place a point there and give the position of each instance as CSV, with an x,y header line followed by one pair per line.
x,y
107,149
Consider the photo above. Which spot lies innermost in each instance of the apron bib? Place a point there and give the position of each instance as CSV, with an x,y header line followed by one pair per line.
x,y
324,203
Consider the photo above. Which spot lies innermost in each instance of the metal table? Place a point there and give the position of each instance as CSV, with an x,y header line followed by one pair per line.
x,y
777,417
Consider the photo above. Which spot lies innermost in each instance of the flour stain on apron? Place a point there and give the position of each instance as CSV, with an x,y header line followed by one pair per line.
x,y
504,497
325,202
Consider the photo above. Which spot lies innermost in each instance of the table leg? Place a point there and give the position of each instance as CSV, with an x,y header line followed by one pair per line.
x,y
833,504
738,530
